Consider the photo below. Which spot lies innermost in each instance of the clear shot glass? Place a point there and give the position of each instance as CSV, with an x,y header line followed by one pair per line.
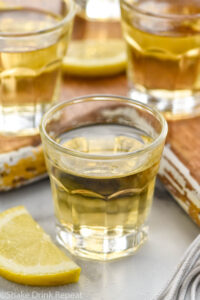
x,y
34,36
163,47
102,154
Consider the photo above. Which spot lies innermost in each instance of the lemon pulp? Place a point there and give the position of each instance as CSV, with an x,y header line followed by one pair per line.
x,y
95,58
27,254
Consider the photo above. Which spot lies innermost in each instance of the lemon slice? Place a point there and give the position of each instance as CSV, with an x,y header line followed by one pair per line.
x,y
27,254
95,58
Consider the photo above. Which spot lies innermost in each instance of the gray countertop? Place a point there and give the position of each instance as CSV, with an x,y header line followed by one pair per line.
x,y
132,278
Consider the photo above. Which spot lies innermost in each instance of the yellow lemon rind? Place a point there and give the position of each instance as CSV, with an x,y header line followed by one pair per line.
x,y
93,70
47,278
43,279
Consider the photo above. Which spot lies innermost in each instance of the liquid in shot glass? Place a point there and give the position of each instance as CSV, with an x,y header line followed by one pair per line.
x,y
34,37
103,155
163,47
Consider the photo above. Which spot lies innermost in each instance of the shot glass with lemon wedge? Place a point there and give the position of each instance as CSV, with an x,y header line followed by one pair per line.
x,y
97,48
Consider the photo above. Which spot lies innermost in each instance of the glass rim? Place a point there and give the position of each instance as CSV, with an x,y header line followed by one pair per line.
x,y
70,14
158,15
107,97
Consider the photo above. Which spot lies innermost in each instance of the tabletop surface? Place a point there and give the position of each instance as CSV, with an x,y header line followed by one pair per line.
x,y
137,277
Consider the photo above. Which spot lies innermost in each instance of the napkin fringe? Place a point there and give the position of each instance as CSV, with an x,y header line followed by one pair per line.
x,y
185,273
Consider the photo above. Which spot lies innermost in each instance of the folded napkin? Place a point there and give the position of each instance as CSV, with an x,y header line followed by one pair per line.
x,y
185,281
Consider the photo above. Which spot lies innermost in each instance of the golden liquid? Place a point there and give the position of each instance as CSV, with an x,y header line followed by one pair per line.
x,y
163,55
100,198
29,68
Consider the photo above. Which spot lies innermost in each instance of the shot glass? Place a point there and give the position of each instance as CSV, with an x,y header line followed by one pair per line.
x,y
163,46
102,154
33,40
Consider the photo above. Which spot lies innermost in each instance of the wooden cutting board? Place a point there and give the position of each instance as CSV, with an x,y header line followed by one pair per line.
x,y
180,166
22,161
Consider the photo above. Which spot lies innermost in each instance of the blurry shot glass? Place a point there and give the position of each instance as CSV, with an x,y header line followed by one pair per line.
x,y
163,45
102,154
33,39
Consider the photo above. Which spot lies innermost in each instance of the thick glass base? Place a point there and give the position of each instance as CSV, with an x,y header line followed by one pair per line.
x,y
173,104
88,244
21,120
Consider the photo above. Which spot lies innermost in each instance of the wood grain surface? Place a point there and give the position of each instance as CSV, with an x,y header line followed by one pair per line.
x,y
75,87
184,138
180,165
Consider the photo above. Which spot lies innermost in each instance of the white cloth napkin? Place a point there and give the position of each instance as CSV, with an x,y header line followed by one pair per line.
x,y
185,281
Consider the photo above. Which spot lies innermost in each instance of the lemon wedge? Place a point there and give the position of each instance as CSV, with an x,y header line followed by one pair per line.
x,y
90,58
27,254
